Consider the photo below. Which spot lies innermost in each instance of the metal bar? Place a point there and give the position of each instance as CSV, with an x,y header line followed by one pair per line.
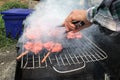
x,y
22,62
39,60
26,62
62,60
50,60
83,50
67,60
88,52
45,62
96,51
72,59
33,61
96,46
75,57
57,60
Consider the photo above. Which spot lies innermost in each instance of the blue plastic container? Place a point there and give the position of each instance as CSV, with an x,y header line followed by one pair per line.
x,y
13,19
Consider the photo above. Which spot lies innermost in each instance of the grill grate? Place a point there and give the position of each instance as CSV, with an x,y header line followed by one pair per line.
x,y
74,56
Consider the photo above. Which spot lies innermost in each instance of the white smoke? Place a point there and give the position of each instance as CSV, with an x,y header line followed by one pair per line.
x,y
47,15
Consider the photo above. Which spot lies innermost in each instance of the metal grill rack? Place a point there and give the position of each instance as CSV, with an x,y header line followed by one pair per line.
x,y
74,56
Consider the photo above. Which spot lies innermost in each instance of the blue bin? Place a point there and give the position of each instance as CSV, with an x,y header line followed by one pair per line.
x,y
13,19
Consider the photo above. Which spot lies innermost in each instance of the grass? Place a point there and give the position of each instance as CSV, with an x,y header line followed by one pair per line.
x,y
13,4
5,43
8,43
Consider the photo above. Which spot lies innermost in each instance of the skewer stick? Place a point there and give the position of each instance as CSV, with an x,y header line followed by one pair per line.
x,y
22,54
45,57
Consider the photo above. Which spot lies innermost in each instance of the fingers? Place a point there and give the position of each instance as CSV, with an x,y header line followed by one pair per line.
x,y
68,23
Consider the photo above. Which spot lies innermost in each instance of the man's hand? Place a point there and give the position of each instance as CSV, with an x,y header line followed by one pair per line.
x,y
76,15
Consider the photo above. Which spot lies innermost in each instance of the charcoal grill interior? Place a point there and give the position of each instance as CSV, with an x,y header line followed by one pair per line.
x,y
71,58
110,65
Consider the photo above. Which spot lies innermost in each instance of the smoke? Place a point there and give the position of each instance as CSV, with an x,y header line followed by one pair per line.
x,y
47,15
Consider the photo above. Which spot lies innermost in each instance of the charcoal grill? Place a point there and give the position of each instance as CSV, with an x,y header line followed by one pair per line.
x,y
74,56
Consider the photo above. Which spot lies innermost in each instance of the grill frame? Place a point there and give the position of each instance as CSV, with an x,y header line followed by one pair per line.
x,y
90,57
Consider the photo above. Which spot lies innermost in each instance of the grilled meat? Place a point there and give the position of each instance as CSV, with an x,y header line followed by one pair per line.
x,y
72,35
28,45
37,47
48,45
57,48
78,35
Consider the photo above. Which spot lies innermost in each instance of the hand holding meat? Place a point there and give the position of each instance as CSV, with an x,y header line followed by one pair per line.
x,y
76,15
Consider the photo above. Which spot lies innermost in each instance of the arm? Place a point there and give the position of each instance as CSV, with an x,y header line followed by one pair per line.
x,y
89,17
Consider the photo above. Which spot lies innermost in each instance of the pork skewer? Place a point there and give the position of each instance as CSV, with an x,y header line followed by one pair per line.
x,y
72,35
22,54
27,46
33,47
56,48
45,57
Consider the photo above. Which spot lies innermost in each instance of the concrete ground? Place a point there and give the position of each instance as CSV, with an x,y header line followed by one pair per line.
x,y
7,64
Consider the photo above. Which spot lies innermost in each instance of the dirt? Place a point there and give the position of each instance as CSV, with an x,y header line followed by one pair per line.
x,y
7,64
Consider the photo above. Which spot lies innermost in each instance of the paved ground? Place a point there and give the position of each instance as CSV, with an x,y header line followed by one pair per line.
x,y
7,64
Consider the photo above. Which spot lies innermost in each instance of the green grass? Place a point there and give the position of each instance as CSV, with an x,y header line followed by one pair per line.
x,y
13,4
5,42
8,43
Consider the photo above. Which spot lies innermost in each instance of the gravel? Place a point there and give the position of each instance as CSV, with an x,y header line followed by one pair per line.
x,y
7,64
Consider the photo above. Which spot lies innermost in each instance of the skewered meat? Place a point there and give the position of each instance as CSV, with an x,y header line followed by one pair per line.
x,y
78,35
48,45
28,45
22,54
72,35
57,47
37,47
